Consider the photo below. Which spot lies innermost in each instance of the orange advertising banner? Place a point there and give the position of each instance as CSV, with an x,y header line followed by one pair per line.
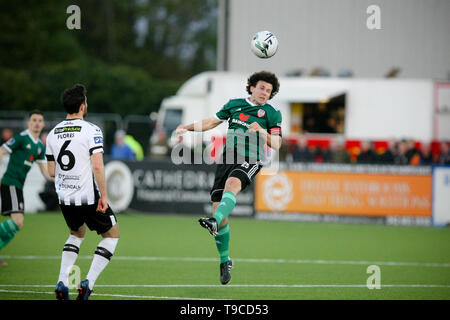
x,y
344,193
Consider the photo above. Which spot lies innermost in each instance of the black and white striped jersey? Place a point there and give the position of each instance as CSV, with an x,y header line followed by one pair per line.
x,y
70,144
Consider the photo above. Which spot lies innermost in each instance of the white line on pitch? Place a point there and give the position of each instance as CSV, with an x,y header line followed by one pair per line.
x,y
107,295
239,286
195,259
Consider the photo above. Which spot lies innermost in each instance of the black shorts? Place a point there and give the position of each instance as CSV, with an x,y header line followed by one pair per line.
x,y
76,216
244,172
12,200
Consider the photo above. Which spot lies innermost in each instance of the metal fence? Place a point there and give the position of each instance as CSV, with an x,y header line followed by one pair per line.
x,y
139,126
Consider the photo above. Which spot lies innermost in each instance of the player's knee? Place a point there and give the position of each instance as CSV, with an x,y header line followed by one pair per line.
x,y
18,220
233,184
113,232
80,233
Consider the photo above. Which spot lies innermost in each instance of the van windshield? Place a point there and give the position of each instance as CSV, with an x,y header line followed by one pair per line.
x,y
171,120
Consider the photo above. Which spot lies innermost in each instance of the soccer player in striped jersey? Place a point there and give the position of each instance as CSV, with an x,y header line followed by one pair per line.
x,y
75,158
252,123
24,148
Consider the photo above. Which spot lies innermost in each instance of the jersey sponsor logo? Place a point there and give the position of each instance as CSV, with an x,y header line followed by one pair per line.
x,y
243,117
68,186
98,140
68,129
65,177
241,123
261,113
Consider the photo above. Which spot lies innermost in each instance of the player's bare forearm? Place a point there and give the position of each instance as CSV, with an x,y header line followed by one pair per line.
x,y
204,125
272,140
45,172
51,168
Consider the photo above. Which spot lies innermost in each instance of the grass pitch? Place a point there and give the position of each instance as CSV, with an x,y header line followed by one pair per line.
x,y
171,257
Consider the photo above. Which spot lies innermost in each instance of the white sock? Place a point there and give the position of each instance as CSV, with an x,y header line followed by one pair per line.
x,y
69,256
102,255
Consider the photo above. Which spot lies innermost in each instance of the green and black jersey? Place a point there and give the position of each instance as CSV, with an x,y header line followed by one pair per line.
x,y
24,150
240,113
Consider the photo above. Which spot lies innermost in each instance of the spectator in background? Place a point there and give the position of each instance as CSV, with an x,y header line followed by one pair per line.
x,y
412,153
444,155
301,152
120,150
159,145
367,154
400,157
285,151
310,125
387,157
337,152
135,146
426,157
330,126
7,134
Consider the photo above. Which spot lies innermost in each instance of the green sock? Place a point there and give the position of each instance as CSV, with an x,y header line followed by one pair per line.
x,y
8,230
223,242
225,207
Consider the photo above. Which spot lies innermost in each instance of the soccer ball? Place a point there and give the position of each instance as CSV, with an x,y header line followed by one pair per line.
x,y
264,44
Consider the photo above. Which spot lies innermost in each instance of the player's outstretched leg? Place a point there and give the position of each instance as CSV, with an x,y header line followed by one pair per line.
x,y
209,224
8,230
226,205
223,244
225,275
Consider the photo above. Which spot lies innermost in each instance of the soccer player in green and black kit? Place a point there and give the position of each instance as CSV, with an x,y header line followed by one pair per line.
x,y
24,148
251,124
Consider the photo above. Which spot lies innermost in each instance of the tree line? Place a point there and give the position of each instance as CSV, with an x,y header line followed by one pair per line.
x,y
129,54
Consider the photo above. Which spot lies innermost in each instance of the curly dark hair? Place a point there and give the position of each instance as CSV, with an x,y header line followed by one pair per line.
x,y
73,98
264,76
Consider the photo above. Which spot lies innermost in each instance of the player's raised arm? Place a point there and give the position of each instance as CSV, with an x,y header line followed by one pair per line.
x,y
273,140
204,125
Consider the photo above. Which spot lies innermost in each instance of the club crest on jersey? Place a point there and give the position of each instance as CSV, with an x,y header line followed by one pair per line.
x,y
261,113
